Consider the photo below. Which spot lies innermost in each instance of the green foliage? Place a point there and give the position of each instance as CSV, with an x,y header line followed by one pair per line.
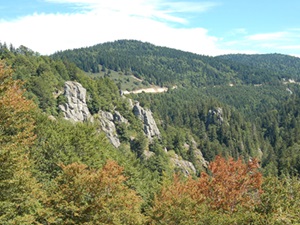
x,y
218,128
280,201
165,66
139,144
142,59
265,68
236,106
64,142
21,197
61,141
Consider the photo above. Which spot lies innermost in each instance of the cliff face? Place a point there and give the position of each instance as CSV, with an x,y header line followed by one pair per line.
x,y
145,115
106,120
75,108
108,123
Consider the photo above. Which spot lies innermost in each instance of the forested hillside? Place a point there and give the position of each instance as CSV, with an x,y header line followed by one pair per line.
x,y
221,146
165,66
280,66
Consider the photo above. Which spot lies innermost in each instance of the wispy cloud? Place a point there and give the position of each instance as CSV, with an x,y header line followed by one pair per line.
x,y
161,22
180,7
276,36
286,41
160,9
101,21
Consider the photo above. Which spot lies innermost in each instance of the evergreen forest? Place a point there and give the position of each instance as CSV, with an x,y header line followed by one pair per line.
x,y
225,148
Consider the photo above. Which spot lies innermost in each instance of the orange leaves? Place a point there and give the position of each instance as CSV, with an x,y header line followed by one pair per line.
x,y
85,195
230,187
21,197
176,204
16,121
232,183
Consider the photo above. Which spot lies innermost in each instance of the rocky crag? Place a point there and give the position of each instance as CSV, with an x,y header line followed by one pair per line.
x,y
145,115
75,108
108,123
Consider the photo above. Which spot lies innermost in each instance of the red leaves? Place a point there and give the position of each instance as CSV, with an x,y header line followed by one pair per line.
x,y
232,183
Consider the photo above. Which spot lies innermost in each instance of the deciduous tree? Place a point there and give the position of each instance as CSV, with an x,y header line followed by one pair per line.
x,y
21,197
86,196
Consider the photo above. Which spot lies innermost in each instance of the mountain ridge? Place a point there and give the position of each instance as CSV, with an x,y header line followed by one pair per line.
x,y
164,66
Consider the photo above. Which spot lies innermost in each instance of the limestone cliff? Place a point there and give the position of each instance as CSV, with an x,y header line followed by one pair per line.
x,y
75,108
199,161
145,115
106,120
108,123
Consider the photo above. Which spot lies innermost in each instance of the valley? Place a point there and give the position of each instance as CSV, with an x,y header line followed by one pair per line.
x,y
133,133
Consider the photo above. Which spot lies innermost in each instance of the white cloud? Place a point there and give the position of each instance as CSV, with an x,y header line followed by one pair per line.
x,y
268,36
285,41
99,21
102,21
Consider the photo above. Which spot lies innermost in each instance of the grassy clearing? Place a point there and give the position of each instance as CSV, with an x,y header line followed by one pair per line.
x,y
127,81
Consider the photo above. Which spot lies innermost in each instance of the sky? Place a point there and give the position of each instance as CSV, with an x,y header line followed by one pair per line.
x,y
211,27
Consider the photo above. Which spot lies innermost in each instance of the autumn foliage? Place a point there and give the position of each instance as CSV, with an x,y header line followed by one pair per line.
x,y
229,187
21,197
231,184
87,196
16,122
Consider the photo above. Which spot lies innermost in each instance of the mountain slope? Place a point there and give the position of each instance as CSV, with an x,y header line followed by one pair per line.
x,y
282,66
156,65
165,66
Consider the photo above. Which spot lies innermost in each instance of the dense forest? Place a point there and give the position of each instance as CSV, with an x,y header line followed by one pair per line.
x,y
241,112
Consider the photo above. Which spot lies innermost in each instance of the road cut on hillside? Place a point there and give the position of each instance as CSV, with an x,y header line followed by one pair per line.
x,y
147,90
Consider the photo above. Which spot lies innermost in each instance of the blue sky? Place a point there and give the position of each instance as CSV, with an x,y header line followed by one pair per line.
x,y
210,27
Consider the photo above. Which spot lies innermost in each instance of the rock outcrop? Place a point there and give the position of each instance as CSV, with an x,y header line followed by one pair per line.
x,y
107,124
118,118
215,116
186,167
75,108
199,161
145,115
